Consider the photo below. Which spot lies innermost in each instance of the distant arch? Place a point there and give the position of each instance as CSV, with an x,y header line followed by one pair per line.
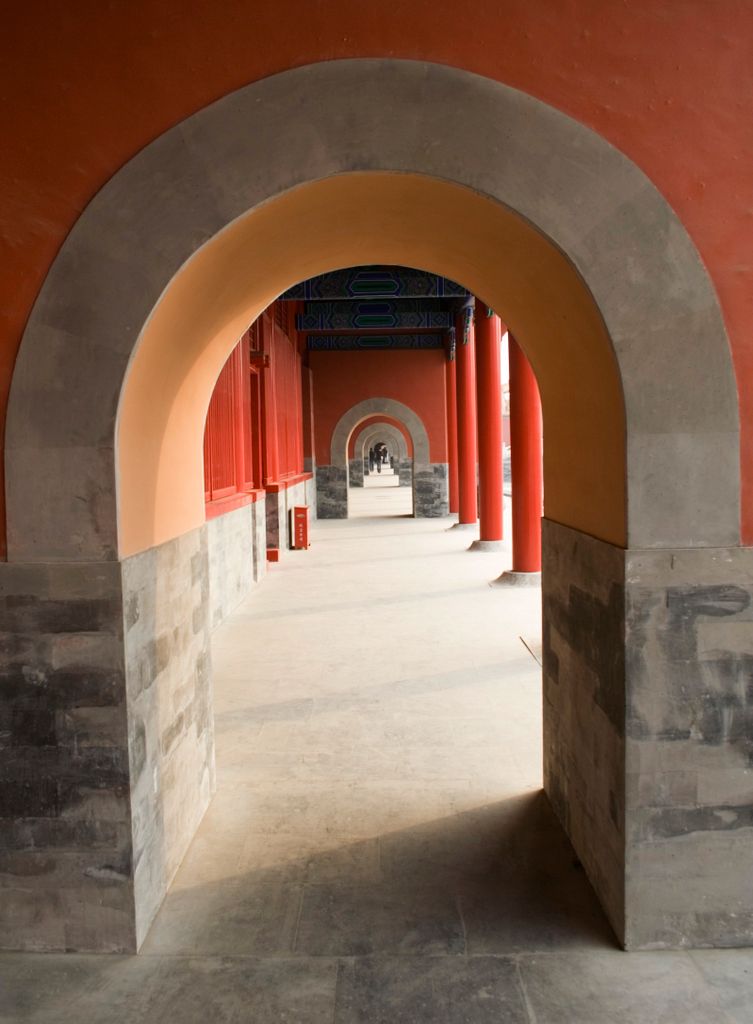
x,y
374,406
386,433
429,480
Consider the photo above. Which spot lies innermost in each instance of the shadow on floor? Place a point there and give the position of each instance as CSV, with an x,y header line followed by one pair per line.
x,y
502,878
484,916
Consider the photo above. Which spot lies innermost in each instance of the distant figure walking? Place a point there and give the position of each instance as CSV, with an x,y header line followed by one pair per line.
x,y
372,456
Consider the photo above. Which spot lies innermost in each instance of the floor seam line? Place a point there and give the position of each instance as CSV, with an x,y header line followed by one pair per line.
x,y
524,992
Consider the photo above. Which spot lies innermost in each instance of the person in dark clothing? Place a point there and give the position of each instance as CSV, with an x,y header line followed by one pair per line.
x,y
372,457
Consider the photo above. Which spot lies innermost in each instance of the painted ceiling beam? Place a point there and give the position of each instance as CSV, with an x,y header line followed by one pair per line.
x,y
375,282
353,342
381,315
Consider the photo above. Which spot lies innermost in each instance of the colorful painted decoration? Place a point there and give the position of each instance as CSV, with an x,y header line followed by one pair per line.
x,y
345,342
375,282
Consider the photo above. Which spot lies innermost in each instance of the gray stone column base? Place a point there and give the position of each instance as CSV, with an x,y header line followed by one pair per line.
x,y
331,492
430,493
487,545
518,579
463,526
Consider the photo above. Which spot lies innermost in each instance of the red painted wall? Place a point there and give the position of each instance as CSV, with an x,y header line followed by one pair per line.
x,y
415,378
380,419
84,86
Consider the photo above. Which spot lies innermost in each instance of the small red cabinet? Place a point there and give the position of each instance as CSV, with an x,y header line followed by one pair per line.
x,y
300,524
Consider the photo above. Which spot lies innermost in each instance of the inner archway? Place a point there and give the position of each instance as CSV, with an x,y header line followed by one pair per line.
x,y
428,473
603,290
379,463
362,441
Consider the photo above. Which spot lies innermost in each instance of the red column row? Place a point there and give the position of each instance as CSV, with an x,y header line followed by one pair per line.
x,y
477,437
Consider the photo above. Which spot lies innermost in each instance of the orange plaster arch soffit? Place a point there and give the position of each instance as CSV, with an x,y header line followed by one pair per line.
x,y
359,161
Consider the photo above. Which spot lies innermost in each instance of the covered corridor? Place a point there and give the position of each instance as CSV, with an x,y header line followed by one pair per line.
x,y
245,778
379,849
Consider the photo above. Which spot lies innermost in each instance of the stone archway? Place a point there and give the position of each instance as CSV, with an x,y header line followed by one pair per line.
x,y
646,589
430,497
366,438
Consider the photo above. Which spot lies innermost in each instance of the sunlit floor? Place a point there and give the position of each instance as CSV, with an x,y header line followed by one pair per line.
x,y
379,850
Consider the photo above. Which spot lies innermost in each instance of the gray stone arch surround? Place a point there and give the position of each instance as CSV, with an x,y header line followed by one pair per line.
x,y
430,479
341,116
647,723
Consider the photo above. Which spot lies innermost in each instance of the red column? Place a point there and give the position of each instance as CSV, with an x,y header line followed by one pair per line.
x,y
452,431
489,401
466,413
525,445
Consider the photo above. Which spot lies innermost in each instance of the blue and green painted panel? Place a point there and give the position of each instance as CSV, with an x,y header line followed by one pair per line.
x,y
352,342
375,282
385,314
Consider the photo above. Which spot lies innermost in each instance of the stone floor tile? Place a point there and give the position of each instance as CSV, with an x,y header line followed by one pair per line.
x,y
197,990
39,987
246,916
425,990
729,973
605,987
285,857
361,920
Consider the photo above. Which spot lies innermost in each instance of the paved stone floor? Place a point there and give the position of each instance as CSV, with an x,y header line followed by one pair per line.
x,y
379,849
380,495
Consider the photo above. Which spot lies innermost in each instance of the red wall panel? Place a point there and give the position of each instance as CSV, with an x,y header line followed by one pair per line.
x,y
413,377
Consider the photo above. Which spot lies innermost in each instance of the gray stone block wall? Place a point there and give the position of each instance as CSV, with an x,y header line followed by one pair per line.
x,y
275,529
65,823
278,507
584,703
648,732
331,492
259,549
170,726
405,471
430,490
310,495
231,559
690,747
106,732
355,472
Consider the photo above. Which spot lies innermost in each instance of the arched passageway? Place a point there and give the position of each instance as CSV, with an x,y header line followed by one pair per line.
x,y
397,441
380,470
428,479
311,170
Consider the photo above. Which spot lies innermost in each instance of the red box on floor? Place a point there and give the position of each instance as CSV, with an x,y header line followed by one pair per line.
x,y
300,531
